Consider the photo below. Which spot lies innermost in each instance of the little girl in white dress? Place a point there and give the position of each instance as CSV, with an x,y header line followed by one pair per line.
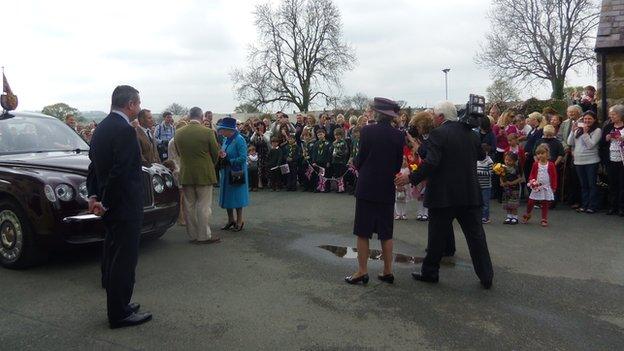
x,y
543,184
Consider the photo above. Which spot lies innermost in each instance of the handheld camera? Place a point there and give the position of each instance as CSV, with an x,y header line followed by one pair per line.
x,y
474,111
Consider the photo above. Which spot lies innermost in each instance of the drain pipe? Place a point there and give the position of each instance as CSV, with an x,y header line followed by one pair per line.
x,y
603,86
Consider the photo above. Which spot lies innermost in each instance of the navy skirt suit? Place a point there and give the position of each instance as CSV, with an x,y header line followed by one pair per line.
x,y
379,160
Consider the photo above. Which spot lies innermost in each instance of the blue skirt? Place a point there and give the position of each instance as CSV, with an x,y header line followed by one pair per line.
x,y
373,217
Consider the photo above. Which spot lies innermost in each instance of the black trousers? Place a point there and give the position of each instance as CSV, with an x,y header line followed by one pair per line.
x,y
441,223
121,253
291,183
616,185
253,178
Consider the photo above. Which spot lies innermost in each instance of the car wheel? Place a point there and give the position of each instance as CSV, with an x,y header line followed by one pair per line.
x,y
17,246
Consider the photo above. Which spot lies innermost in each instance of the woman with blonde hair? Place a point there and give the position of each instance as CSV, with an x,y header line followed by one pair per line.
x,y
502,129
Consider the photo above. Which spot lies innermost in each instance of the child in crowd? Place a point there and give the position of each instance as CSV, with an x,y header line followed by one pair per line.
x,y
340,157
514,147
351,178
510,182
402,195
308,145
292,154
274,160
323,156
543,182
484,174
252,167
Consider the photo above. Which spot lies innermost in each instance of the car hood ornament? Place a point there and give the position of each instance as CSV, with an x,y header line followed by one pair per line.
x,y
8,100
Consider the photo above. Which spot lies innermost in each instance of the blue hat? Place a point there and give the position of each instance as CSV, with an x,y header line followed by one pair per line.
x,y
227,123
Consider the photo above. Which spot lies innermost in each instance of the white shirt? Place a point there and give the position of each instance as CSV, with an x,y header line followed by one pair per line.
x,y
122,115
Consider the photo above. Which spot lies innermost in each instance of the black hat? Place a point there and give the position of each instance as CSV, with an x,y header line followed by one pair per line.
x,y
386,107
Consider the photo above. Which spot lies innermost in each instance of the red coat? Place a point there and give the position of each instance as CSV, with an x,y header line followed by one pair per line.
x,y
552,173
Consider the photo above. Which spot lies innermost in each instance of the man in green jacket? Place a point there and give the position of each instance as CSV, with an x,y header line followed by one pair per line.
x,y
199,152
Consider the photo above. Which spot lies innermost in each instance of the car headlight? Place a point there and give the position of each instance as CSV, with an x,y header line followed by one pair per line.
x,y
83,192
64,192
49,193
168,180
158,183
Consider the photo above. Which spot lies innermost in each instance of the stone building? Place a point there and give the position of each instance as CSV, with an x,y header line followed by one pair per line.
x,y
610,55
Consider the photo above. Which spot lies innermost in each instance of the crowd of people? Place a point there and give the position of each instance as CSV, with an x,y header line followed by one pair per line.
x,y
582,167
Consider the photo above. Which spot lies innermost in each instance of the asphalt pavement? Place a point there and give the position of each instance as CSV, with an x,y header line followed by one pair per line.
x,y
270,287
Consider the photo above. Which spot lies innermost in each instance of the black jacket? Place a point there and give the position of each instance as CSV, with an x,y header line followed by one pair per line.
x,y
451,167
378,161
115,170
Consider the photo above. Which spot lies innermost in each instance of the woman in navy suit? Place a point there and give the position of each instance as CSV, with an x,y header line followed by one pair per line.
x,y
378,161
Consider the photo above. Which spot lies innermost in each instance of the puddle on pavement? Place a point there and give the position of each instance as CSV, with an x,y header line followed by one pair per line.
x,y
375,255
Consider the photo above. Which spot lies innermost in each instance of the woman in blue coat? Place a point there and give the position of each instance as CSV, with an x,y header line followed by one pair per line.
x,y
233,157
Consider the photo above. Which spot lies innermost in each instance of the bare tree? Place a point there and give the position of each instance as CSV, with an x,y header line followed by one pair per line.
x,y
358,102
299,56
539,39
502,90
177,109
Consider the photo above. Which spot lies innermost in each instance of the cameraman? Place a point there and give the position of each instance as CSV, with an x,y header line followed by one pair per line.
x,y
165,131
452,193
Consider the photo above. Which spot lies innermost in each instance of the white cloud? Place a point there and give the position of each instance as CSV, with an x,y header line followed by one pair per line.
x,y
183,51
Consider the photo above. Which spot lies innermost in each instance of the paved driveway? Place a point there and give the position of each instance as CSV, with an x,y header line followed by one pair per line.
x,y
271,287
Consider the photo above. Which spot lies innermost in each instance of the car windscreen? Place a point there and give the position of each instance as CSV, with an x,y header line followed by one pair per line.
x,y
34,134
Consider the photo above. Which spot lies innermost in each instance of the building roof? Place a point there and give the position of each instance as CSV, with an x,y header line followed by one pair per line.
x,y
611,27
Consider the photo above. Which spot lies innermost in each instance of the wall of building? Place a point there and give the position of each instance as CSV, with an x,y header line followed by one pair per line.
x,y
614,79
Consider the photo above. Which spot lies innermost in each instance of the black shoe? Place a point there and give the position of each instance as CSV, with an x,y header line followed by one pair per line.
x,y
486,285
134,307
363,278
621,213
229,225
424,278
448,254
132,320
388,278
238,229
611,212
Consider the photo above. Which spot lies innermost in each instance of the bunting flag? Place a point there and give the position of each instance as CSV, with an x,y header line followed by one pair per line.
x,y
8,100
341,185
309,172
6,88
321,184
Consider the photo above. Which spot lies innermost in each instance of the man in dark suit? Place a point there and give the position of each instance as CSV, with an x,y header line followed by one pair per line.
x,y
452,193
116,194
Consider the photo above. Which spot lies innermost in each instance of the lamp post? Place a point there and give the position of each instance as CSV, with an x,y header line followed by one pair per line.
x,y
446,71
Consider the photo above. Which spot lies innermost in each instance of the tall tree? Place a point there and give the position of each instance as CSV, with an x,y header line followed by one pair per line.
x,y
539,39
358,102
60,110
300,54
502,90
177,109
246,108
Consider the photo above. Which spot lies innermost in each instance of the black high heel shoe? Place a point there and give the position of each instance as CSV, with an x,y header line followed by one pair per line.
x,y
237,228
363,278
388,278
229,225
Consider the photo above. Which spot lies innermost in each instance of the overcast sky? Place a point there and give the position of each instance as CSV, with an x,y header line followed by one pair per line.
x,y
183,51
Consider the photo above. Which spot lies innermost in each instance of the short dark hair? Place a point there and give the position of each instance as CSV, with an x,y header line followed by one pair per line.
x,y
143,114
195,113
167,113
123,95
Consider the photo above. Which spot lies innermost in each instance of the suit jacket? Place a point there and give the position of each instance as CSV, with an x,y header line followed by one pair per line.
x,y
149,150
115,169
378,161
199,152
451,167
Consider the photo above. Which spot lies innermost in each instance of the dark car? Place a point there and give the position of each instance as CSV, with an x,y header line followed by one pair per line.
x,y
43,191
